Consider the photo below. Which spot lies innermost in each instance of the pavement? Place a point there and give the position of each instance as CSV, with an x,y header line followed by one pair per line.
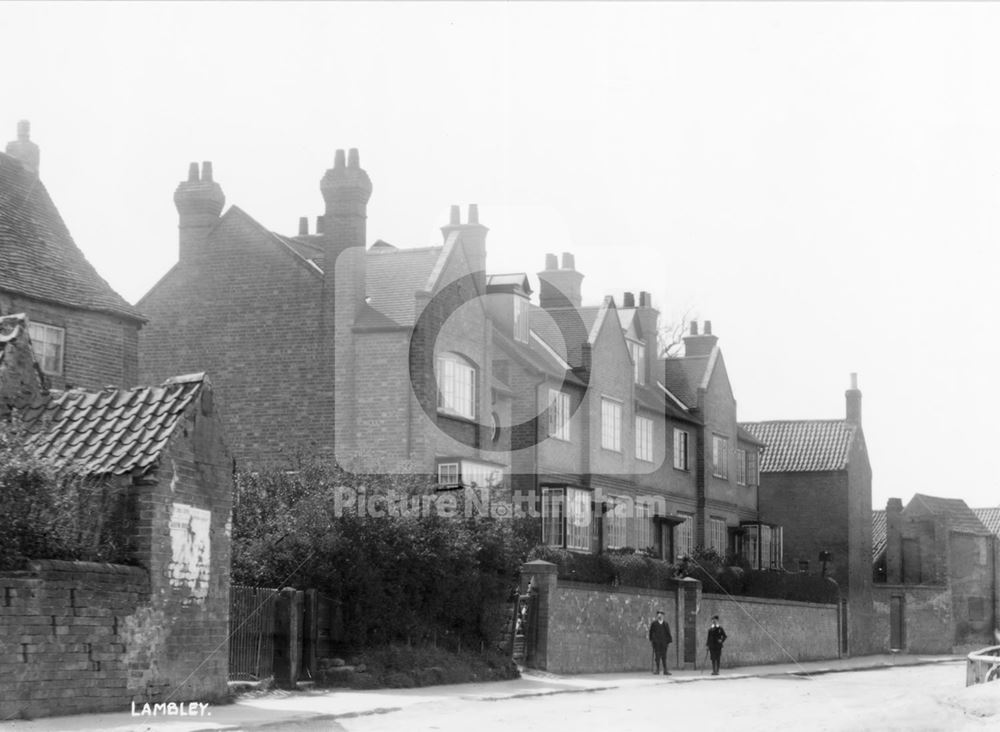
x,y
311,708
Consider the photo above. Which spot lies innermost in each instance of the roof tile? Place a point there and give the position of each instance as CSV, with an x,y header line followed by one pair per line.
x,y
803,445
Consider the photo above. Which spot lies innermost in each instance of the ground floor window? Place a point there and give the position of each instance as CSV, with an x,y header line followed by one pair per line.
x,y
762,546
684,535
566,518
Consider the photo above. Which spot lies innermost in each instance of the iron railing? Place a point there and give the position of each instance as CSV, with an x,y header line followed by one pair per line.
x,y
251,633
983,666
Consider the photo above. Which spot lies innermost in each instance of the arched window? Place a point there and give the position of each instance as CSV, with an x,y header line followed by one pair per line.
x,y
456,384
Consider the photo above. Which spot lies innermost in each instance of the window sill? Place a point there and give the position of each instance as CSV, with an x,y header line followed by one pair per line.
x,y
456,417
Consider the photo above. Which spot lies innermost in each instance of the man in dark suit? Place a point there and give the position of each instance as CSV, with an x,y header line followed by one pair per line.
x,y
660,638
716,637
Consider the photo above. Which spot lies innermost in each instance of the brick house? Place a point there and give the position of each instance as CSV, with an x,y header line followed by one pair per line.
x,y
319,312
719,500
935,571
84,333
154,632
815,481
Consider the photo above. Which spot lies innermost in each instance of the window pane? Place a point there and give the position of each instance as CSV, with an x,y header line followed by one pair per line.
x,y
611,425
644,438
456,381
47,345
552,516
577,519
684,534
680,449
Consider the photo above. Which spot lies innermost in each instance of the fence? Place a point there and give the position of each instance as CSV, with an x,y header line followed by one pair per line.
x,y
251,633
983,666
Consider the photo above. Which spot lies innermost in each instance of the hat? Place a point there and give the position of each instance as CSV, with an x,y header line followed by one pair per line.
x,y
659,612
715,617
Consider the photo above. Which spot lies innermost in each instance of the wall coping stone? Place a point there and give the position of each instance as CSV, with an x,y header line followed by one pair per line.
x,y
765,600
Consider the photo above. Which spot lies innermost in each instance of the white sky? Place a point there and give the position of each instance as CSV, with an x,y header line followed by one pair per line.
x,y
819,180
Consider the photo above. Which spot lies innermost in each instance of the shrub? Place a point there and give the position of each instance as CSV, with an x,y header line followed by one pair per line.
x,y
49,512
403,576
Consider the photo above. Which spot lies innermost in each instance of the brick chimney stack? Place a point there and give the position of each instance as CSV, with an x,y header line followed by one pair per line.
x,y
649,318
199,202
346,189
24,149
472,239
853,397
557,285
894,541
700,345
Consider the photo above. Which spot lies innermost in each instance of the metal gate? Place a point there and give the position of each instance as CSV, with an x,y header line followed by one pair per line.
x,y
251,632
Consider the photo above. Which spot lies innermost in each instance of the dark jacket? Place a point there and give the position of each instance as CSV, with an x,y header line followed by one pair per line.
x,y
659,634
716,637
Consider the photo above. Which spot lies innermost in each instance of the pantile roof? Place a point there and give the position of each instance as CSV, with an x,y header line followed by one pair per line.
x,y
113,431
803,445
38,257
878,533
990,518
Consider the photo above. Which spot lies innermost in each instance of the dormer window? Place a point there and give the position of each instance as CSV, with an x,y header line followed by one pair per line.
x,y
456,384
47,343
638,353
521,311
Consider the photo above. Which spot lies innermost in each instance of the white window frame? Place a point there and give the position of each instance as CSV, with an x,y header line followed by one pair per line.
x,y
720,457
741,466
449,474
49,345
681,440
578,519
616,523
718,535
753,467
456,384
684,535
611,424
521,325
643,438
559,415
554,517
637,351
644,527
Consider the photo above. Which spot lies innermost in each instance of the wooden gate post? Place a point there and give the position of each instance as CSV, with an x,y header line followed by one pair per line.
x,y
288,637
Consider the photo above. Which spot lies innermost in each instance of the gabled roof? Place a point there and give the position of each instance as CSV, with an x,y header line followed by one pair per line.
x,y
683,375
38,257
113,431
990,517
954,510
810,445
393,277
878,533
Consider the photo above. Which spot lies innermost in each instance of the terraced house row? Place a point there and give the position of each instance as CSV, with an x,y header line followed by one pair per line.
x,y
329,343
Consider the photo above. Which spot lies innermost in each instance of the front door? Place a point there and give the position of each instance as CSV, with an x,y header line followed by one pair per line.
x,y
896,622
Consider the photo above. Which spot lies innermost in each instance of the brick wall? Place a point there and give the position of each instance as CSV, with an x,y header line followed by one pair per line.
x,y
76,637
591,629
184,542
99,349
927,618
247,313
762,631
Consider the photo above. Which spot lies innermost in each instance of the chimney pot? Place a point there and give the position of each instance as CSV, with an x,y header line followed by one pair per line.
x,y
303,226
568,261
338,159
629,300
353,160
645,300
708,327
473,213
193,173
24,130
319,224
551,262
206,171
694,327
456,216
854,381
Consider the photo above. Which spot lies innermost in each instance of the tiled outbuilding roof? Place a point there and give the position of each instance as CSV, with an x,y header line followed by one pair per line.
x,y
113,431
878,533
990,518
957,513
38,257
803,445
